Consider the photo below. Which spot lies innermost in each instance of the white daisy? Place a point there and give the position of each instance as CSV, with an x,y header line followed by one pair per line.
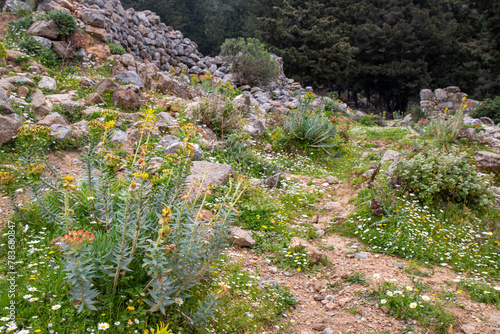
x,y
426,298
102,326
179,301
413,305
56,307
383,301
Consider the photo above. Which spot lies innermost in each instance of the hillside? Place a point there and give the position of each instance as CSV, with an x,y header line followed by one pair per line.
x,y
145,186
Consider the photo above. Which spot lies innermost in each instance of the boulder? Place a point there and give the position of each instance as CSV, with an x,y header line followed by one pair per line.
x,y
240,237
43,28
488,159
312,252
8,128
119,136
46,43
167,141
130,77
60,131
19,80
53,118
95,98
63,49
42,108
425,94
197,152
126,99
242,103
5,104
47,83
167,83
390,155
256,128
98,33
215,174
105,86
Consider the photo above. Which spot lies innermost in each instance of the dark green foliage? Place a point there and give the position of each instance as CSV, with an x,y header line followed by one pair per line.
x,y
481,292
20,26
489,108
66,23
115,49
31,46
250,61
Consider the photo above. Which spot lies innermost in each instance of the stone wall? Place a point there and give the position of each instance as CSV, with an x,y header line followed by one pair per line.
x,y
445,101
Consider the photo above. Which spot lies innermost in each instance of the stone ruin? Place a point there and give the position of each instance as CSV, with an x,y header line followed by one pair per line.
x,y
445,101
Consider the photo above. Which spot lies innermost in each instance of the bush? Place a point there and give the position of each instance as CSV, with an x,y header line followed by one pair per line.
x,y
31,46
437,176
444,129
250,61
489,108
66,23
17,29
115,49
218,113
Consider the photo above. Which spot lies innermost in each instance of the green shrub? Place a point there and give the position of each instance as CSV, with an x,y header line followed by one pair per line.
x,y
489,108
368,120
438,176
116,49
250,61
444,129
66,23
481,292
31,46
17,29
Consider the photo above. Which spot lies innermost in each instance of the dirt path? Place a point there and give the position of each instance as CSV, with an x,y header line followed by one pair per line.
x,y
352,311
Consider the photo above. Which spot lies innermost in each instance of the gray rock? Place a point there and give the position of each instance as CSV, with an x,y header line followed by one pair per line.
x,y
130,77
215,174
46,43
425,94
360,255
8,128
390,155
43,28
328,330
60,131
241,237
488,159
440,94
469,329
330,206
272,283
332,180
167,141
197,151
19,81
5,104
47,83
119,136
256,129
106,85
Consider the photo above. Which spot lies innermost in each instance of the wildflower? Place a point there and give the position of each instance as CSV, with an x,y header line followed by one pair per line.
x,y
24,331
179,301
130,308
5,319
383,301
38,330
34,299
389,293
413,305
129,322
409,288
136,321
31,289
56,307
27,296
117,323
102,326
376,276
426,298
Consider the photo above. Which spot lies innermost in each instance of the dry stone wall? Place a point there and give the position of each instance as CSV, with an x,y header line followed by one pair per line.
x,y
444,101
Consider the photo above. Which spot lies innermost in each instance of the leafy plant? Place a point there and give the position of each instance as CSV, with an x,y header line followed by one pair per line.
x,y
368,120
488,108
481,292
31,46
438,176
116,49
66,23
358,278
250,61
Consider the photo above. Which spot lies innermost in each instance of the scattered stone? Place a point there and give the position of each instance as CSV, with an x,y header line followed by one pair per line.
x,y
330,206
126,99
130,77
215,174
318,298
360,255
47,83
328,331
319,327
60,131
273,270
312,252
243,238
105,86
332,180
494,318
119,137
390,155
23,92
167,83
63,49
385,309
53,118
469,329
256,129
272,283
5,104
95,98
155,164
314,219
330,298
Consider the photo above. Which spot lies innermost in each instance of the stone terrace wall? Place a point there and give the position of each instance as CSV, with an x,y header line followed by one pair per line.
x,y
140,33
444,101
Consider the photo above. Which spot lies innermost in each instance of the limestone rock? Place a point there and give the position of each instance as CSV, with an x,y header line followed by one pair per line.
x,y
8,128
5,104
47,83
99,33
488,159
167,83
126,99
256,128
312,252
95,98
43,28
331,206
63,49
215,174
53,118
60,131
240,237
105,86
332,180
390,155
130,77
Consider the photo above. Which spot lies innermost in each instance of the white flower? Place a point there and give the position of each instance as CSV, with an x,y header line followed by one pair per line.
x,y
56,307
179,301
136,321
409,288
102,326
117,323
23,331
34,299
383,301
376,276
389,293
426,298
31,289
5,319
413,305
497,288
27,296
